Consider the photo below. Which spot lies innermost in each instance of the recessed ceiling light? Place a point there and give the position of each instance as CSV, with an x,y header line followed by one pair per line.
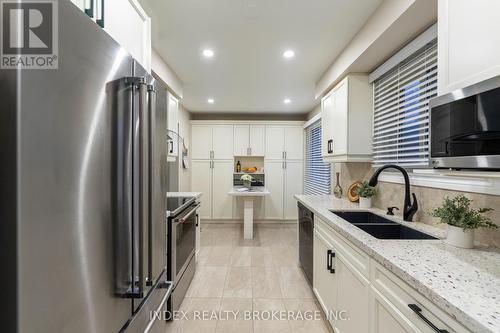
x,y
208,53
288,54
210,101
287,101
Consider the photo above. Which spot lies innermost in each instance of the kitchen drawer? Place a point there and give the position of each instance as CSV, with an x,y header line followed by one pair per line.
x,y
356,257
400,296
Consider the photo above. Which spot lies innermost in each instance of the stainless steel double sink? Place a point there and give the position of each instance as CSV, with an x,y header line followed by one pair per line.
x,y
380,227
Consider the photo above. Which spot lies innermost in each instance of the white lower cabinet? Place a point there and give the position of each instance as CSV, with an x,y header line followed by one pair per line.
x,y
293,184
202,182
211,179
373,298
324,280
222,202
353,297
275,184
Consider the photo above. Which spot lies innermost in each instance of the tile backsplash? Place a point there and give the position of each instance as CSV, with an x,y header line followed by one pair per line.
x,y
390,194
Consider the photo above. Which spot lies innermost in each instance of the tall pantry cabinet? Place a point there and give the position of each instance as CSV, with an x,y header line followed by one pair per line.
x,y
217,145
212,169
284,167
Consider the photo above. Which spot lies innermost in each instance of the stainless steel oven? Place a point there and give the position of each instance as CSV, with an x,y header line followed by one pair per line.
x,y
182,247
465,127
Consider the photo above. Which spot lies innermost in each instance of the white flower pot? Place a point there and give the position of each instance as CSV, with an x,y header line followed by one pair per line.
x,y
247,184
460,238
365,202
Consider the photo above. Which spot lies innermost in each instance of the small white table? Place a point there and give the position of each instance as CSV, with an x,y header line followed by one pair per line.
x,y
248,198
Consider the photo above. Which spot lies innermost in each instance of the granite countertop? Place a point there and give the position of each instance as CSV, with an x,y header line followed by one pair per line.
x,y
464,283
197,195
256,191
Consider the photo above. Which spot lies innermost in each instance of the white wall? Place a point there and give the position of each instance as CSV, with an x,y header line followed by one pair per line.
x,y
166,74
468,42
392,26
185,131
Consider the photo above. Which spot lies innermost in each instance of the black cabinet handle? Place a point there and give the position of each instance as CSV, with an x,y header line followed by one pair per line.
x,y
415,308
330,146
329,257
171,146
328,267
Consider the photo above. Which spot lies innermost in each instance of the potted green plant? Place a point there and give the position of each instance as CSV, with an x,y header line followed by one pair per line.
x,y
365,192
247,180
462,220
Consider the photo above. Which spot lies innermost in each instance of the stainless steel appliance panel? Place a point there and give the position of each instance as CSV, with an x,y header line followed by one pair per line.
x,y
158,180
306,238
465,127
65,194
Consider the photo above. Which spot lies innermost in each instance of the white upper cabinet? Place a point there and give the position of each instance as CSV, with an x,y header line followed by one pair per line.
x,y
127,22
284,142
275,142
201,142
249,140
468,43
294,143
241,137
346,121
222,144
257,140
212,142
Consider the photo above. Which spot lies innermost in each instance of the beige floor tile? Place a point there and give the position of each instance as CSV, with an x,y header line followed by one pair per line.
x,y
219,256
308,326
208,282
268,304
242,256
238,283
208,236
234,326
262,257
241,307
284,256
271,326
198,326
226,236
203,255
265,282
293,283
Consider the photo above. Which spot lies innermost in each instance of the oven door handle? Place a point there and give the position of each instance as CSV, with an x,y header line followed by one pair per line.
x,y
188,214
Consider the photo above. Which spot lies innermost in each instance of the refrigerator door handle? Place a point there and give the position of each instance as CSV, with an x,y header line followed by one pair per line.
x,y
142,193
151,139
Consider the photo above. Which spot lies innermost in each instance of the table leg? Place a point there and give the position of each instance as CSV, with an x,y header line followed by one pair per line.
x,y
248,218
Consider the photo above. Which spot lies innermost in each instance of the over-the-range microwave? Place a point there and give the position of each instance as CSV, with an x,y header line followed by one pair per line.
x,y
465,127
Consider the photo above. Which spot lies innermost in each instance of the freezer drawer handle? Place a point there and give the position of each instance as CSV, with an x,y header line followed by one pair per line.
x,y
415,308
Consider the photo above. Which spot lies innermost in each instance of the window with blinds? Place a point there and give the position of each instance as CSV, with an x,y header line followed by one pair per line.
x,y
401,111
317,172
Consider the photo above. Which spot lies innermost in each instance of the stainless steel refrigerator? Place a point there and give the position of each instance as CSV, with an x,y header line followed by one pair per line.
x,y
83,182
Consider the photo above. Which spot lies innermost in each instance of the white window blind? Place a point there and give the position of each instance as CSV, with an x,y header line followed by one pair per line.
x,y
317,172
401,111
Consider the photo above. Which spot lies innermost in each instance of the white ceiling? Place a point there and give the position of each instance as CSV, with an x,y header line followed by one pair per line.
x,y
248,72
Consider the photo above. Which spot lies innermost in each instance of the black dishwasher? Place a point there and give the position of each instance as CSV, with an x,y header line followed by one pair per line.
x,y
306,230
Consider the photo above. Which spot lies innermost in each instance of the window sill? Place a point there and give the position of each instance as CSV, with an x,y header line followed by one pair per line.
x,y
483,182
